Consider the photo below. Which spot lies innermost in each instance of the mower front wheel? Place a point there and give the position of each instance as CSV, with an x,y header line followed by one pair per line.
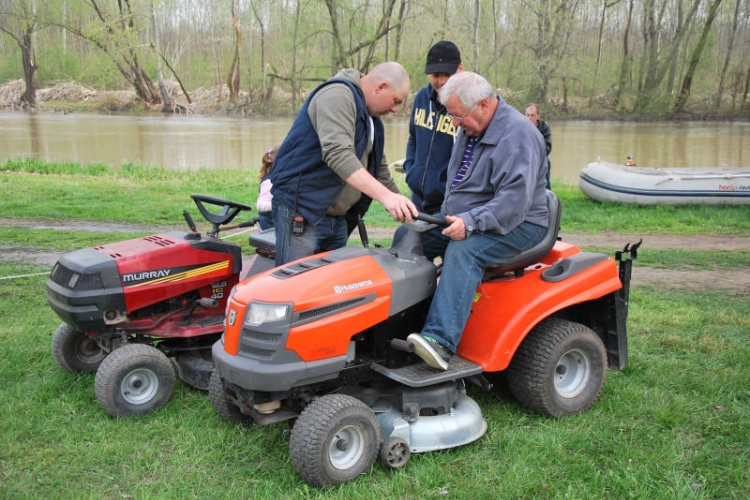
x,y
394,452
74,351
134,379
335,439
559,369
221,403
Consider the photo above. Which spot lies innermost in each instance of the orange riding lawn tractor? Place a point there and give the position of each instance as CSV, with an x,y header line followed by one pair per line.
x,y
321,343
128,308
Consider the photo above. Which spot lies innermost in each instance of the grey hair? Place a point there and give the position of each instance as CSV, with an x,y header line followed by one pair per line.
x,y
469,87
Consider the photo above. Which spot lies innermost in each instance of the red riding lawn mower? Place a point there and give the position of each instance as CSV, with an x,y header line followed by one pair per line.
x,y
128,307
320,342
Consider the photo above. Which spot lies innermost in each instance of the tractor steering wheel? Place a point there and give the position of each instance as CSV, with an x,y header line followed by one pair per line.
x,y
229,209
431,219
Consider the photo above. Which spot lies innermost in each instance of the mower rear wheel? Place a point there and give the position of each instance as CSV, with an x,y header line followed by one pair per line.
x,y
223,406
74,351
394,452
559,369
134,379
335,439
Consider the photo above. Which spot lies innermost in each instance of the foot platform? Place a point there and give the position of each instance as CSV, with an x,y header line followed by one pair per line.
x,y
421,375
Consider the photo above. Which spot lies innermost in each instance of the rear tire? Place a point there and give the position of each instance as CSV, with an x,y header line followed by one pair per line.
x,y
134,379
74,351
335,439
221,403
559,369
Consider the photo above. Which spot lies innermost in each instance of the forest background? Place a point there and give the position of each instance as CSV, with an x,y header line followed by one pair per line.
x,y
615,59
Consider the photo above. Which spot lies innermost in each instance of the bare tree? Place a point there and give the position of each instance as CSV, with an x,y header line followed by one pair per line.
x,y
19,22
118,38
687,81
233,80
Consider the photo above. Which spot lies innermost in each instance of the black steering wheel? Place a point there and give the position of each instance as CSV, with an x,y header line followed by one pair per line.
x,y
431,219
229,209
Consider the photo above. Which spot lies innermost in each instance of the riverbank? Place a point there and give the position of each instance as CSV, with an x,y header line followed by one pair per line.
x,y
68,97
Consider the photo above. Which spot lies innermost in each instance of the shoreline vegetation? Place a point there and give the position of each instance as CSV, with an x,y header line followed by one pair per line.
x,y
69,97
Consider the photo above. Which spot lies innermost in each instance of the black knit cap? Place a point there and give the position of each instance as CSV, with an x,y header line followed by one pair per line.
x,y
443,57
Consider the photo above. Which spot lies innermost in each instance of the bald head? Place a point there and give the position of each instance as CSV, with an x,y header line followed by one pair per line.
x,y
386,88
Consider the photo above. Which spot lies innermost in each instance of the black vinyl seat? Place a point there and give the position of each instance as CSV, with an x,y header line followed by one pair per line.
x,y
517,264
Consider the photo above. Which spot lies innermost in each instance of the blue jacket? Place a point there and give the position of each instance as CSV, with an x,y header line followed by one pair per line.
x,y
428,150
301,178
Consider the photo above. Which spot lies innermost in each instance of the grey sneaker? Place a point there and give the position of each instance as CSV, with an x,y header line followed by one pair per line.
x,y
430,351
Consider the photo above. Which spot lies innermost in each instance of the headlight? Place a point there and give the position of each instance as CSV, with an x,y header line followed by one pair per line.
x,y
261,313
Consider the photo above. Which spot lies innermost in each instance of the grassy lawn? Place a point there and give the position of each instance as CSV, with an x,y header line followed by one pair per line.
x,y
674,424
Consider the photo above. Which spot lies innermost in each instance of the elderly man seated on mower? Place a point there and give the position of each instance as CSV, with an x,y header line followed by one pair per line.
x,y
495,203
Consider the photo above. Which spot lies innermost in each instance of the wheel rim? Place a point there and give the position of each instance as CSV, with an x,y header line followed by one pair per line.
x,y
346,447
88,351
397,454
139,386
572,373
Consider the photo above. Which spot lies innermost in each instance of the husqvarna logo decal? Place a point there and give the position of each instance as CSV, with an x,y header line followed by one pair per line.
x,y
352,286
169,275
232,316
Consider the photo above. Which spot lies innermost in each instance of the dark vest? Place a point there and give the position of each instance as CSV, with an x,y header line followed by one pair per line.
x,y
301,178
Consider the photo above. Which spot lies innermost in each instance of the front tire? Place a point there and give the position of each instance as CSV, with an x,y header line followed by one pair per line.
x,y
559,369
134,379
335,439
223,406
74,351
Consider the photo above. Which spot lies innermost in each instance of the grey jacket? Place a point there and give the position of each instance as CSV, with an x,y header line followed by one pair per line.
x,y
505,184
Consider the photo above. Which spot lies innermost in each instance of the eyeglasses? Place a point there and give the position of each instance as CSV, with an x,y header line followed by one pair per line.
x,y
460,118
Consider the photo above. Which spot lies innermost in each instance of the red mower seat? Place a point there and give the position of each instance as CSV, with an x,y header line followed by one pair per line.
x,y
517,264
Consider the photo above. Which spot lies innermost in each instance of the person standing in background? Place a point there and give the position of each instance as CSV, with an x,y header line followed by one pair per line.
x,y
532,113
431,139
265,198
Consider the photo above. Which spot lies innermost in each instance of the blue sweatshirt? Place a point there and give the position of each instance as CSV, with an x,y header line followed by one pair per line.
x,y
428,150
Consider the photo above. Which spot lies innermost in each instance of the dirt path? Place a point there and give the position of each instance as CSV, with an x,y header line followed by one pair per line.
x,y
736,282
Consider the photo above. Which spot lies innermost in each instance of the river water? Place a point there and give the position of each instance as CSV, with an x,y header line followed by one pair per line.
x,y
190,142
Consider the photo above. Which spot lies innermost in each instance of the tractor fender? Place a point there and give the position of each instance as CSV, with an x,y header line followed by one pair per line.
x,y
505,311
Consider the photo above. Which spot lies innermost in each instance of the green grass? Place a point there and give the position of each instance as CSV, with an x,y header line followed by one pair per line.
x,y
155,195
673,424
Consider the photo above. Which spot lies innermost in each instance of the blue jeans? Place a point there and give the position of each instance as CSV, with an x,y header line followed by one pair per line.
x,y
463,267
266,220
329,234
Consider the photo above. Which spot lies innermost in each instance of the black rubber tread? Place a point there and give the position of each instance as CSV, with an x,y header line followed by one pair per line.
x,y
394,452
223,406
123,361
67,343
317,425
532,370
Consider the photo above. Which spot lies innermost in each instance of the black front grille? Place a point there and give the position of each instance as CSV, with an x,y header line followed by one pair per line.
x,y
255,352
75,281
267,338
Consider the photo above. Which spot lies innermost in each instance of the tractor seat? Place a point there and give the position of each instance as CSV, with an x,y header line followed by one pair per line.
x,y
517,264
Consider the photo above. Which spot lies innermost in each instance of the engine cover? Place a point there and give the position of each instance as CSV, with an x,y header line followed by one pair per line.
x,y
123,277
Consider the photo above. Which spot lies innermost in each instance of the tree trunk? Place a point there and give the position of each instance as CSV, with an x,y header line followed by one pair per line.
x,y
29,66
627,59
687,81
728,57
233,81
168,102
